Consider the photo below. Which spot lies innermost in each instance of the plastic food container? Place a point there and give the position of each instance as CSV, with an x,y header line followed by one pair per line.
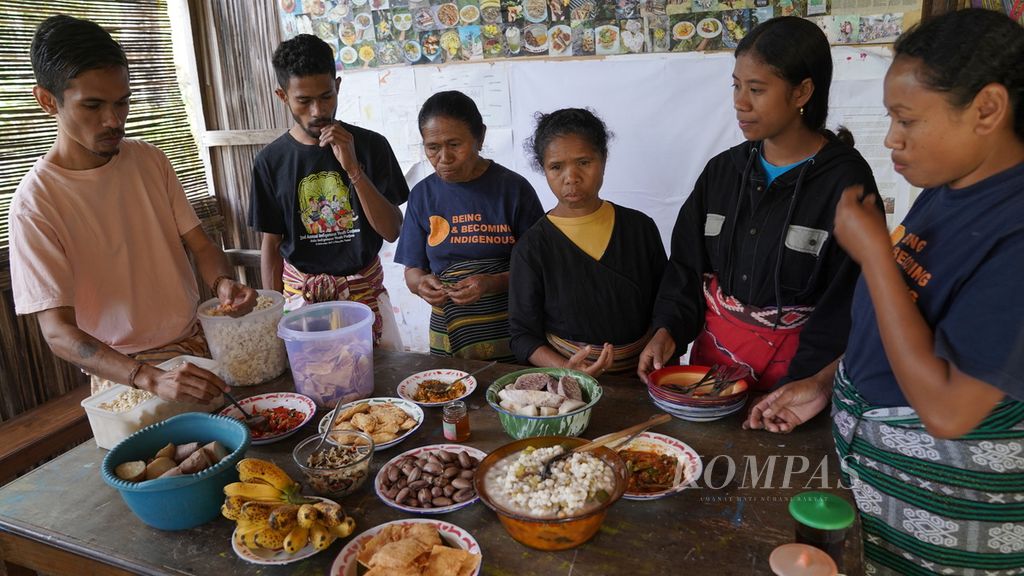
x,y
109,426
247,348
822,521
205,363
330,349
801,560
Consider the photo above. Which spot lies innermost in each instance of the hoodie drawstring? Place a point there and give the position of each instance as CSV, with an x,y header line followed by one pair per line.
x,y
726,273
782,242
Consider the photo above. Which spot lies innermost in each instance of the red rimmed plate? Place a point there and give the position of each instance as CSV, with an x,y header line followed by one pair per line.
x,y
686,375
422,451
274,557
414,412
667,395
303,405
407,388
346,564
689,466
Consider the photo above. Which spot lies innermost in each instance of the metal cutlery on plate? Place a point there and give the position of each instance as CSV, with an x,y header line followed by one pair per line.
x,y
718,377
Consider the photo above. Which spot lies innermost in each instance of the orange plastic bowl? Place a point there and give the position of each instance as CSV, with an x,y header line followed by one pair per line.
x,y
686,375
551,533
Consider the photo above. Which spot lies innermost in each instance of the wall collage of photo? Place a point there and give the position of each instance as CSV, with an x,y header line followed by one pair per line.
x,y
380,33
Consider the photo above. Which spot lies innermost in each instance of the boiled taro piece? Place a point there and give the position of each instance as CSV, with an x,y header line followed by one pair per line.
x,y
571,406
537,398
570,388
527,410
534,381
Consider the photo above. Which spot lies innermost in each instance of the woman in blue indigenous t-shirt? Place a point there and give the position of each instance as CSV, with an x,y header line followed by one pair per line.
x,y
928,402
460,225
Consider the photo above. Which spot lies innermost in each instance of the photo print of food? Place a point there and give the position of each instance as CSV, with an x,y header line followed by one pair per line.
x,y
382,33
513,40
558,10
560,40
583,38
633,38
493,41
472,43
383,25
658,32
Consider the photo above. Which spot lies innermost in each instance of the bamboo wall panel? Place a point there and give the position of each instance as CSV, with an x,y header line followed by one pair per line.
x,y
234,42
29,373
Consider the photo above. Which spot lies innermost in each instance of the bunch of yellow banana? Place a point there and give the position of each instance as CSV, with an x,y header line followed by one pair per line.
x,y
271,513
263,481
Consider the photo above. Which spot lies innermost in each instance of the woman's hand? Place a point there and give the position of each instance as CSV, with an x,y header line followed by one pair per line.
x,y
860,227
469,290
658,350
789,406
185,383
578,361
431,290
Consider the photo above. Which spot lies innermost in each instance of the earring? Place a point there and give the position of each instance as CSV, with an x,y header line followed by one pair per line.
x,y
801,110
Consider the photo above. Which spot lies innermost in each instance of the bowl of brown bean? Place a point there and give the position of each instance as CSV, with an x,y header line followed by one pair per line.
x,y
338,467
431,479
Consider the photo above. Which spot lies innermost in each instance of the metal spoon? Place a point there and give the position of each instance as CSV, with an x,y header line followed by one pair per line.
x,y
473,373
443,390
330,426
254,422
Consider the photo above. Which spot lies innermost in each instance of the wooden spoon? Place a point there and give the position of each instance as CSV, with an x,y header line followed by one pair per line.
x,y
626,432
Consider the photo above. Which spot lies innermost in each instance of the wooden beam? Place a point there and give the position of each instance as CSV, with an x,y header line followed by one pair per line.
x,y
240,137
24,552
42,432
242,257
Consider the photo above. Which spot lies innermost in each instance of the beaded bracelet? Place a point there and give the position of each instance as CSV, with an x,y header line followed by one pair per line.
x,y
133,374
216,283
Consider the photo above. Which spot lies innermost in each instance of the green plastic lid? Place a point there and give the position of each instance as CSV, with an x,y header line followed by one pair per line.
x,y
821,510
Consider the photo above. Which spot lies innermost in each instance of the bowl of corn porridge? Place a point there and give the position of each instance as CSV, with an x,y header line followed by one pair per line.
x,y
561,511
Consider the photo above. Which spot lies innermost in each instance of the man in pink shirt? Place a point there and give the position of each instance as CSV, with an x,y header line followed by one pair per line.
x,y
100,227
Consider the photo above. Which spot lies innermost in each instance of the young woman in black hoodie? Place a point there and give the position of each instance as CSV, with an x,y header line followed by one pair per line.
x,y
756,277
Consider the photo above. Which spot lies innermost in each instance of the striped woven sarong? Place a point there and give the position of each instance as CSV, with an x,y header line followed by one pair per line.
x,y
928,505
624,357
762,340
477,331
365,286
192,345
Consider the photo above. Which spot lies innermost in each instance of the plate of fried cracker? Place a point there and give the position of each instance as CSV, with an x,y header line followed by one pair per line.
x,y
410,547
387,420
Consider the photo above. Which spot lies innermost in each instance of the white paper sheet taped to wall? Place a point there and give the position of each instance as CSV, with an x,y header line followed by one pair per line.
x,y
670,114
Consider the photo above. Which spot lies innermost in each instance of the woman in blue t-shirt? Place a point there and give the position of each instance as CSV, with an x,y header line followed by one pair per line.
x,y
928,403
460,225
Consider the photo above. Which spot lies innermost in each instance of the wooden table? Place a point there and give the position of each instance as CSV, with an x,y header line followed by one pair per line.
x,y
63,519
